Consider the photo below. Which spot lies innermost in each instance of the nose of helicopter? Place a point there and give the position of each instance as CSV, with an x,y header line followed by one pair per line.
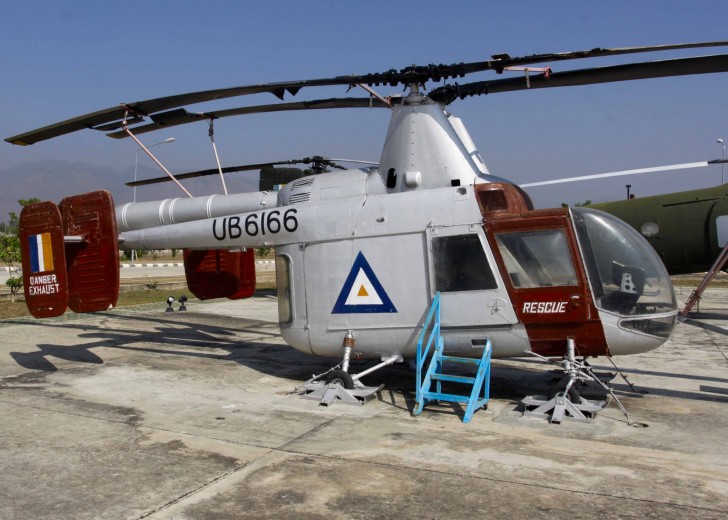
x,y
634,336
631,287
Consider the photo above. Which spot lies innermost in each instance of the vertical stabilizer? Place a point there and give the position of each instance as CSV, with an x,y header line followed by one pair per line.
x,y
44,260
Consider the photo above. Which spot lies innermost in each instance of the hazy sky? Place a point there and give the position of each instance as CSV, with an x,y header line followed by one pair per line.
x,y
63,59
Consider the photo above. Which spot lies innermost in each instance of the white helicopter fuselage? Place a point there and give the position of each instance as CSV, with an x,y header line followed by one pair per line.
x,y
365,251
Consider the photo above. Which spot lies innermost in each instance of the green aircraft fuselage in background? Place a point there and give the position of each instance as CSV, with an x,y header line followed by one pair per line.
x,y
687,229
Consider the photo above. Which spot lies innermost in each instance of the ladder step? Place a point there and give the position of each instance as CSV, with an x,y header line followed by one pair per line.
x,y
438,396
480,383
455,359
452,378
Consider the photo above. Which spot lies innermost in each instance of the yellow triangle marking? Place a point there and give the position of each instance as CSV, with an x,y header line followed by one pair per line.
x,y
362,292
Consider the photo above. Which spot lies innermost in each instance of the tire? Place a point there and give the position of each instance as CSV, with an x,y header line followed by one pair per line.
x,y
342,378
560,385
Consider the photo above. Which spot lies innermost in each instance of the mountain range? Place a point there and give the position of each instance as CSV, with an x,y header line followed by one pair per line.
x,y
52,180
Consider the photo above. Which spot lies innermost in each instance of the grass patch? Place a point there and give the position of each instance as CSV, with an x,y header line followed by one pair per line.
x,y
18,309
9,309
721,280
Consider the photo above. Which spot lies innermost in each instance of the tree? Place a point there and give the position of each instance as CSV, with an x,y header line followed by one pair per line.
x,y
13,220
578,204
10,255
15,283
12,225
10,249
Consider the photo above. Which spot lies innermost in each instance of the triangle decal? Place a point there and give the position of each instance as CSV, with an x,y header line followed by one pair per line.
x,y
362,291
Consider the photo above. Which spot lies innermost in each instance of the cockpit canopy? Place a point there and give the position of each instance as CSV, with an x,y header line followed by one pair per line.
x,y
626,275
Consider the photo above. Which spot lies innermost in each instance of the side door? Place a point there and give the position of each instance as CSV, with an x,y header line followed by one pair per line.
x,y
538,257
463,270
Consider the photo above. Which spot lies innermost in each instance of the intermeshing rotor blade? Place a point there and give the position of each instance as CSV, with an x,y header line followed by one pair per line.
x,y
408,75
355,161
626,72
653,169
601,53
324,161
203,173
181,116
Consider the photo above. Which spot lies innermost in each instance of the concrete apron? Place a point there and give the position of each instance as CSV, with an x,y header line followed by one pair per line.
x,y
146,414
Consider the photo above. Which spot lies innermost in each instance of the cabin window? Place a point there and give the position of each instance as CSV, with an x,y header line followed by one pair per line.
x,y
283,282
461,264
537,258
650,229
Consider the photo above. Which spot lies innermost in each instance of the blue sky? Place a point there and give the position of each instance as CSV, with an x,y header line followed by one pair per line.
x,y
64,59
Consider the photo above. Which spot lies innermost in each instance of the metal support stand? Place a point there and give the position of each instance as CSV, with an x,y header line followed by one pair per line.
x,y
560,407
146,150
567,404
719,263
330,386
329,393
211,133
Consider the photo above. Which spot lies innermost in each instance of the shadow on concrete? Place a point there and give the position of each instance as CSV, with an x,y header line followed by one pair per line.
x,y
707,326
204,336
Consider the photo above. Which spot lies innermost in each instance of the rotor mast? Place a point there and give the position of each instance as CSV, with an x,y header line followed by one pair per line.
x,y
422,149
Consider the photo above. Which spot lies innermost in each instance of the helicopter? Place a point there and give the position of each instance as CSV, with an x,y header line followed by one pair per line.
x,y
361,253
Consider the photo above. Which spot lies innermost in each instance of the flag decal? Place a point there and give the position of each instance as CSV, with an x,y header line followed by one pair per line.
x,y
41,253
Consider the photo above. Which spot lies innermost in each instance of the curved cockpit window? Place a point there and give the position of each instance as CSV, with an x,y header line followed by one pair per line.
x,y
626,275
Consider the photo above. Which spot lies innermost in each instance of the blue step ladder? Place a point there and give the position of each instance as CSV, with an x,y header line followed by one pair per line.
x,y
480,392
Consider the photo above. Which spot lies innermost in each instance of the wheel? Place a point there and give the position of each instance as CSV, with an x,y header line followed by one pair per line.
x,y
340,377
560,385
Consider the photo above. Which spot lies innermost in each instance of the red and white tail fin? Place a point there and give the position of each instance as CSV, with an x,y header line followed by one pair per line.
x,y
70,255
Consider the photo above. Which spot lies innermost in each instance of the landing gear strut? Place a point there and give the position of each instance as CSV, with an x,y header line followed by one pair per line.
x,y
339,385
563,399
559,388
